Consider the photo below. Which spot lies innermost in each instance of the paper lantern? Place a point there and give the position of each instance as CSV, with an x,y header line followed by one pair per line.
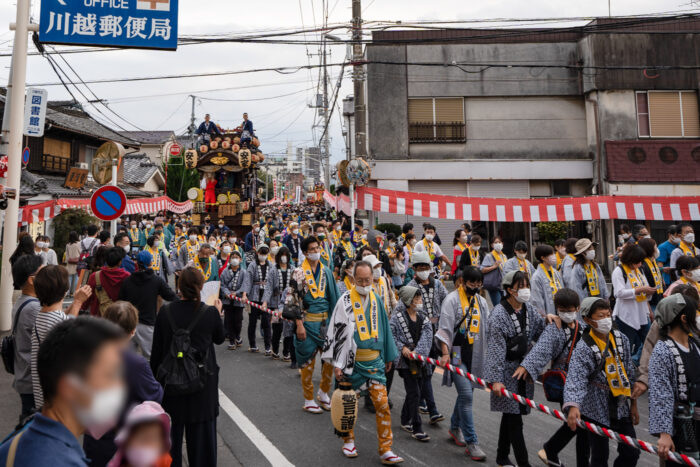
x,y
255,142
191,157
358,172
214,144
344,409
204,149
235,148
225,144
244,158
237,140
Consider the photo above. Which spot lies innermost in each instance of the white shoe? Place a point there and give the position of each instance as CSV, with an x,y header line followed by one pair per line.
x,y
349,450
324,400
311,407
389,458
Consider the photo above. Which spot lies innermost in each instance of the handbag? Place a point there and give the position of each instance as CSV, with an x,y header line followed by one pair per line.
x,y
291,312
8,346
553,381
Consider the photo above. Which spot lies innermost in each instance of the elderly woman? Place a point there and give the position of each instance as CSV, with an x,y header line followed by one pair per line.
x,y
586,277
412,332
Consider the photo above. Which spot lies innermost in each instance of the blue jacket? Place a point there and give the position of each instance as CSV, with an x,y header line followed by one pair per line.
x,y
213,129
128,264
46,442
250,242
248,125
665,250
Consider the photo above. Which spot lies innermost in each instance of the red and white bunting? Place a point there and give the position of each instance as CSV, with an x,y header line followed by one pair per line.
x,y
50,209
657,208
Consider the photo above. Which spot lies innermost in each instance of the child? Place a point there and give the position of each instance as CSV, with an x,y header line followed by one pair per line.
x,y
145,439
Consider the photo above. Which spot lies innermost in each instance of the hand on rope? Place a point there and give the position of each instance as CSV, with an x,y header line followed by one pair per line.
x,y
274,313
593,428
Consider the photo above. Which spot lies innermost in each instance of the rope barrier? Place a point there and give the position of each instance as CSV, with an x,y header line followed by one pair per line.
x,y
274,313
593,428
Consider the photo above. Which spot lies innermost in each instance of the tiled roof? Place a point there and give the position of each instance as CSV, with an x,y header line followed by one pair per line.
x,y
657,161
138,169
72,117
148,137
33,185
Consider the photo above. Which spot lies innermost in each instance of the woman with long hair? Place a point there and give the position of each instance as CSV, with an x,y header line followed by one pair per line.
x,y
72,259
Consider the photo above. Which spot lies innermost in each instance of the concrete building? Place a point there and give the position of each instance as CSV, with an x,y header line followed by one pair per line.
x,y
591,108
313,172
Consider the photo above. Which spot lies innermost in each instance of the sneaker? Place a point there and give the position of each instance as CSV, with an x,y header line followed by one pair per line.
x,y
294,366
389,458
349,450
475,452
552,461
311,407
407,428
232,347
253,350
438,417
457,436
422,437
268,353
423,409
286,358
275,356
239,343
323,400
505,463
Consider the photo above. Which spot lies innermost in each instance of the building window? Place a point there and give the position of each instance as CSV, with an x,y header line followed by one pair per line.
x,y
436,120
668,114
561,188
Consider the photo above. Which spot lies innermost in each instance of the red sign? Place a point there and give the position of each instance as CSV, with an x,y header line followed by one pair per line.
x,y
175,149
108,203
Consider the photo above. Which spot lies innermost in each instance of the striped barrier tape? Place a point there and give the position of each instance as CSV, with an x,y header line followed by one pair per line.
x,y
601,431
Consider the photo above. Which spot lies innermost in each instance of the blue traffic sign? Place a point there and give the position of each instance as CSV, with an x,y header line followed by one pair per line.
x,y
150,24
108,203
25,156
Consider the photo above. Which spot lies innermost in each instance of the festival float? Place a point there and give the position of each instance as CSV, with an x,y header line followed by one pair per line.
x,y
228,188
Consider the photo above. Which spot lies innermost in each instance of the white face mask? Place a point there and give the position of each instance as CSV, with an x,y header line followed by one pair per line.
x,y
377,273
429,237
363,289
552,260
104,410
257,229
567,316
142,456
604,326
156,244
412,242
590,255
295,231
274,250
40,245
697,322
657,253
523,295
133,226
625,236
419,307
521,256
193,238
675,240
695,275
127,248
476,247
262,258
423,275
314,256
498,247
227,249
235,262
689,237
364,236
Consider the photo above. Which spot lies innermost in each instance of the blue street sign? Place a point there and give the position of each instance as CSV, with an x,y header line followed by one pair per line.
x,y
25,156
150,24
108,203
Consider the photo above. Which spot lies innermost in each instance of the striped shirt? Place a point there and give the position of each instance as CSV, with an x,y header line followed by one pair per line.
x,y
45,322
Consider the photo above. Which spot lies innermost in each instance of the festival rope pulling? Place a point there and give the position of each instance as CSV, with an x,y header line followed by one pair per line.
x,y
600,431
274,313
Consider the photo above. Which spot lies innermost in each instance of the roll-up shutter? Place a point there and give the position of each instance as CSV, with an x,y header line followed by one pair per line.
x,y
499,188
691,120
449,110
420,111
665,114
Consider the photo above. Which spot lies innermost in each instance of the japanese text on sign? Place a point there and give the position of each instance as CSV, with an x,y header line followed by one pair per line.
x,y
119,23
35,112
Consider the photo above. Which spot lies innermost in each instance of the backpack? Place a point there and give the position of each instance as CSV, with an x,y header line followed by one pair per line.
x,y
553,381
8,347
103,300
86,258
184,369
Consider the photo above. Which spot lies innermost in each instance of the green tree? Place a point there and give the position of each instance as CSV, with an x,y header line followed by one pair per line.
x,y
551,231
68,221
180,179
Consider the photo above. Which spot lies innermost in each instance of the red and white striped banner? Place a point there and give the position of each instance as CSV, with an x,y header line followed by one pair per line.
x,y
50,209
657,208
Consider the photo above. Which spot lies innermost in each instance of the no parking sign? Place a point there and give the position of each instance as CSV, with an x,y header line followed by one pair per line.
x,y
108,203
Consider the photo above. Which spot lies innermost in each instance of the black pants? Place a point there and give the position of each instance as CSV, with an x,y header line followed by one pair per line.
x,y
511,434
233,321
27,406
409,411
264,318
427,397
561,438
201,443
389,380
288,348
600,445
276,336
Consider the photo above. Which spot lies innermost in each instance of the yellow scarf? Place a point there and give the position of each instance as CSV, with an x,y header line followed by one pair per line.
x,y
409,249
382,290
615,371
356,237
592,279
315,291
324,252
473,257
685,280
198,265
559,261
359,312
687,249
499,257
471,306
428,248
348,284
335,236
155,263
347,246
635,281
522,265
554,284
191,250
656,273
460,247
134,234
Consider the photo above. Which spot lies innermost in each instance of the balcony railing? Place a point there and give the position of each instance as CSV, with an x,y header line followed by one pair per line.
x,y
441,132
55,164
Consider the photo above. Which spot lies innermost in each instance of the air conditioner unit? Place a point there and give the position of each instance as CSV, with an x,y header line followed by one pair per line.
x,y
83,165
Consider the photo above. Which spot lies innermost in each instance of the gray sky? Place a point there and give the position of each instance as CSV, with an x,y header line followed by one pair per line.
x,y
278,120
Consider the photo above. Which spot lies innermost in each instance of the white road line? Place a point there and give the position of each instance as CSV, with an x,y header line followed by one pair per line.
x,y
271,453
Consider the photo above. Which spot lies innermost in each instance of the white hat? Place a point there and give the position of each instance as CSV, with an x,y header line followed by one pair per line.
x,y
372,260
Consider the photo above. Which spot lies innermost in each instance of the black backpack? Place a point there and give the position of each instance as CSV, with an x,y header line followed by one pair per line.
x,y
8,346
184,370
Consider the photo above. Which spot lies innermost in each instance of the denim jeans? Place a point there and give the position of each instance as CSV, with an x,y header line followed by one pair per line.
x,y
636,338
462,416
496,296
427,398
72,283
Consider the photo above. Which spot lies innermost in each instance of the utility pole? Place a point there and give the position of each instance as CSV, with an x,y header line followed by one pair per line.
x,y
325,144
14,156
4,138
192,128
358,79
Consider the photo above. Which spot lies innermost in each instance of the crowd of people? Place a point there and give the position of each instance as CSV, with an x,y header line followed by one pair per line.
x,y
131,361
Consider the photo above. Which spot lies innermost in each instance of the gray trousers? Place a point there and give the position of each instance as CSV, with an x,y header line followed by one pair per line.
x,y
143,339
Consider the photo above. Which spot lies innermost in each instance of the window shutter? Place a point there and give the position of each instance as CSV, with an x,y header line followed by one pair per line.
x,y
449,110
58,148
420,111
665,114
691,121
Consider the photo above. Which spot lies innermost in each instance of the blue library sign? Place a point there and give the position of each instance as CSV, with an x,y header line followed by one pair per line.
x,y
150,24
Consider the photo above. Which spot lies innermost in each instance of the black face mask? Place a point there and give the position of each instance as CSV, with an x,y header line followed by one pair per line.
x,y
472,290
